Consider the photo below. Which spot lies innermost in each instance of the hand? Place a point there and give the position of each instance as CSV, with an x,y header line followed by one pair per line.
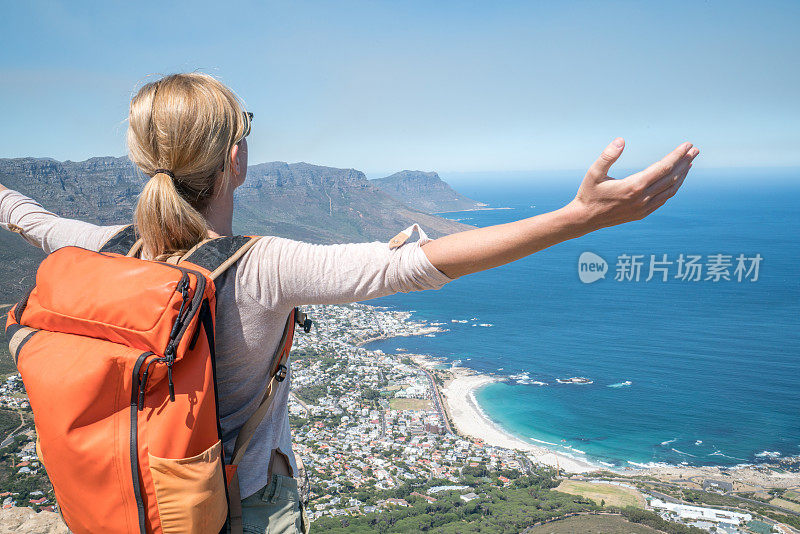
x,y
605,201
2,187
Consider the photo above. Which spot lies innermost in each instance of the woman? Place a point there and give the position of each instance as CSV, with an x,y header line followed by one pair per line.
x,y
194,128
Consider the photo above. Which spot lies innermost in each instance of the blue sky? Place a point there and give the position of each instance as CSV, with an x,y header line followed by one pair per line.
x,y
445,86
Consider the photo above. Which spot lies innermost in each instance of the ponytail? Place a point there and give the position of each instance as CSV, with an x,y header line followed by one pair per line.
x,y
181,130
166,222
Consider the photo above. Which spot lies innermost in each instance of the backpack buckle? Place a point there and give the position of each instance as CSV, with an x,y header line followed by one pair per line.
x,y
302,319
280,374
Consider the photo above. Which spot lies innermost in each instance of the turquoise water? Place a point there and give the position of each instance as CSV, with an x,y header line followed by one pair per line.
x,y
698,372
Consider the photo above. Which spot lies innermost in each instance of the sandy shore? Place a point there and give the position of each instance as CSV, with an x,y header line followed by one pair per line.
x,y
470,420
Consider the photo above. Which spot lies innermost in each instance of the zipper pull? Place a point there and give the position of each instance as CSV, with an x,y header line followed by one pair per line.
x,y
169,359
142,384
169,353
183,287
171,384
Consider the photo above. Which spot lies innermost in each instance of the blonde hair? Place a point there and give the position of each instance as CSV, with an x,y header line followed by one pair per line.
x,y
186,124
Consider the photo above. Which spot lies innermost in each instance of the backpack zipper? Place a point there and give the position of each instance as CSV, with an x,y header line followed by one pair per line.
x,y
169,353
188,309
134,439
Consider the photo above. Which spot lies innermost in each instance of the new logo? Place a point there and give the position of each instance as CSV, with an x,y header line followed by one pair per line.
x,y
591,267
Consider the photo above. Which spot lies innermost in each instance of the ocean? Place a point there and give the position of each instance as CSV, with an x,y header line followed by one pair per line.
x,y
683,372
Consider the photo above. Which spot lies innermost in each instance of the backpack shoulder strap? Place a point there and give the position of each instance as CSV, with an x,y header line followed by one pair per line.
x,y
278,374
125,241
216,255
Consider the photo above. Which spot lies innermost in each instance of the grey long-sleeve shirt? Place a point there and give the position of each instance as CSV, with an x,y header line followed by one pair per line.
x,y
271,278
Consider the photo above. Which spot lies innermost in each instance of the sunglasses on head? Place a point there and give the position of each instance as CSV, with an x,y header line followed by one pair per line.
x,y
248,119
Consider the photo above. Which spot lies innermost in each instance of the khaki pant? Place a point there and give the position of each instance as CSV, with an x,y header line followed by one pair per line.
x,y
275,509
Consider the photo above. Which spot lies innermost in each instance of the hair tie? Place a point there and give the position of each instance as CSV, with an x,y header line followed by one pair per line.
x,y
164,171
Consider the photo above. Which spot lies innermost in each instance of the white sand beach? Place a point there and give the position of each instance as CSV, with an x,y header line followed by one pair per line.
x,y
470,420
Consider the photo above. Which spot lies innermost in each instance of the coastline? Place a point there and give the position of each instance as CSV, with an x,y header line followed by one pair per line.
x,y
419,331
470,420
482,208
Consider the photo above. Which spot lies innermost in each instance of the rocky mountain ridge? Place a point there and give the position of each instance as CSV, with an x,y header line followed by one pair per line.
x,y
425,191
294,200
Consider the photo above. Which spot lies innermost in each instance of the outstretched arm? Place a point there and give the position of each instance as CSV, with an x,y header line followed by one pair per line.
x,y
601,201
46,230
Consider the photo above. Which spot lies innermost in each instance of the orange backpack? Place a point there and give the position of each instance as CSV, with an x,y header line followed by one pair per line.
x,y
117,356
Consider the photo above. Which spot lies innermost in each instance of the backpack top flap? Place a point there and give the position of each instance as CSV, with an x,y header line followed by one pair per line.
x,y
142,304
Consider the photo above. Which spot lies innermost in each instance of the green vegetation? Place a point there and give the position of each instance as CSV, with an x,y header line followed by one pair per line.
x,y
328,362
312,394
6,362
18,263
24,484
652,519
754,496
9,420
7,366
528,500
607,524
369,394
477,471
791,520
295,421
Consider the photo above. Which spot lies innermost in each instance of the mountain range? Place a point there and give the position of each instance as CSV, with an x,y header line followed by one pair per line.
x,y
299,201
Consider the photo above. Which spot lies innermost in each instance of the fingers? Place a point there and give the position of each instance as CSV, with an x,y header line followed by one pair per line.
x,y
599,169
661,198
661,168
679,169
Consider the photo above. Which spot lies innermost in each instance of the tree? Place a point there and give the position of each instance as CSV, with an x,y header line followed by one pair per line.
x,y
370,394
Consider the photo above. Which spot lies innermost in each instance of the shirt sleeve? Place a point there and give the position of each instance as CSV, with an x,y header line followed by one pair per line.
x,y
281,273
47,230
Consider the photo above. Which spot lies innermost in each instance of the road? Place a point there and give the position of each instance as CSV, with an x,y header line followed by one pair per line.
x,y
302,404
437,401
437,398
378,325
527,464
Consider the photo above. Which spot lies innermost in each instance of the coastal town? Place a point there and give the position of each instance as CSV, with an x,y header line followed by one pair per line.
x,y
367,421
385,434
